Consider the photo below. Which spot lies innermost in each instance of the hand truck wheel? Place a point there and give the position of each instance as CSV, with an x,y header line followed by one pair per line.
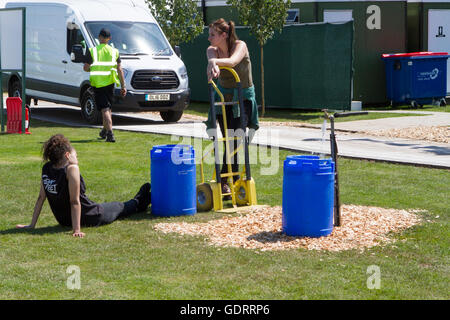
x,y
204,197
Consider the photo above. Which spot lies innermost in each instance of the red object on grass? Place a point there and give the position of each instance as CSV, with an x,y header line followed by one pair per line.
x,y
14,115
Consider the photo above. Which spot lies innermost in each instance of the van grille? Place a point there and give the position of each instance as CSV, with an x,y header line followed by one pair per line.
x,y
154,80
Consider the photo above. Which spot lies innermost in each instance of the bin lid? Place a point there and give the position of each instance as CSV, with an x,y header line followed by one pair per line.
x,y
413,54
308,163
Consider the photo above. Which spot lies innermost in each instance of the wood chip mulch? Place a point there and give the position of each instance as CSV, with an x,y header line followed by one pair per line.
x,y
426,133
434,134
261,228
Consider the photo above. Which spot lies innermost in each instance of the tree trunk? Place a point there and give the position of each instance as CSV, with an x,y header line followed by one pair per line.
x,y
204,12
263,104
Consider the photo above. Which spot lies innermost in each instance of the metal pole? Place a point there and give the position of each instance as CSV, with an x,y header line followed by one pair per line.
x,y
245,139
1,101
334,156
1,89
24,96
334,152
214,127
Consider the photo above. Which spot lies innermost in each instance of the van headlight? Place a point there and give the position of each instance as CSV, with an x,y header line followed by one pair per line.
x,y
183,72
125,72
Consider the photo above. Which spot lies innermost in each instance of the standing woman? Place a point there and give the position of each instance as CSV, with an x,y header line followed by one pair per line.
x,y
65,189
226,50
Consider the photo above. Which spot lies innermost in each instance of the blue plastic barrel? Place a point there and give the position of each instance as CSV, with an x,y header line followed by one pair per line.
x,y
173,179
308,196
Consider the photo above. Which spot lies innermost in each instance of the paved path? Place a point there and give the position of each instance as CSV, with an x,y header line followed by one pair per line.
x,y
353,145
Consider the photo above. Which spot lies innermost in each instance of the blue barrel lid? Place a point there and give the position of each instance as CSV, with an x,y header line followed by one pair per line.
x,y
177,152
314,163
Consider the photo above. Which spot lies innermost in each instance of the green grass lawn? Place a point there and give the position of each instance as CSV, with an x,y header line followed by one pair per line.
x,y
130,260
314,117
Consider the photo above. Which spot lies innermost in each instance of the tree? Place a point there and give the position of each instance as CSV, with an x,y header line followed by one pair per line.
x,y
180,20
264,17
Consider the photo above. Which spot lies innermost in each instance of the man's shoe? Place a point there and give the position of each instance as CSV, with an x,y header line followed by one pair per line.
x,y
143,197
110,137
102,134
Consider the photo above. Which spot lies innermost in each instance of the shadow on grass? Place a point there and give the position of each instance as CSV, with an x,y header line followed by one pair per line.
x,y
140,216
87,140
36,123
36,231
198,217
95,140
198,106
289,115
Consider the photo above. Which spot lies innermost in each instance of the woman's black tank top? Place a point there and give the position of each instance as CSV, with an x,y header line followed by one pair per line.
x,y
57,191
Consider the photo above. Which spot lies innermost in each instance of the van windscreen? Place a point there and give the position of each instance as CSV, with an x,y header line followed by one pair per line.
x,y
132,38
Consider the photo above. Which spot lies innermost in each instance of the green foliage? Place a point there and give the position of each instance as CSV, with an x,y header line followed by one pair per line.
x,y
264,17
180,20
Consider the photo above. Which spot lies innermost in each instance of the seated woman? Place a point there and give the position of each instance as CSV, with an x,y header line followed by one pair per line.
x,y
65,189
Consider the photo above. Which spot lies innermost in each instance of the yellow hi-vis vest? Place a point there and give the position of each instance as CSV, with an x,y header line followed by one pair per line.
x,y
104,66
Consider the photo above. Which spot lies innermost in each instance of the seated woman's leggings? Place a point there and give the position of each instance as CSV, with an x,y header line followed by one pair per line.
x,y
110,213
117,210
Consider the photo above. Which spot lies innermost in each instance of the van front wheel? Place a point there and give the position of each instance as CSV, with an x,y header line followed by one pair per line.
x,y
89,110
171,116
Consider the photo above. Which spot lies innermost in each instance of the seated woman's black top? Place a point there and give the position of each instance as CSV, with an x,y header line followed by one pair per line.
x,y
57,190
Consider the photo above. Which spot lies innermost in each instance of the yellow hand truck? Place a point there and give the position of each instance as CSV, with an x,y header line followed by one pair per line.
x,y
243,191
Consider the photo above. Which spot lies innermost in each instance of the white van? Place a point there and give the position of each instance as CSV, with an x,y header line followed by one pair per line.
x,y
156,78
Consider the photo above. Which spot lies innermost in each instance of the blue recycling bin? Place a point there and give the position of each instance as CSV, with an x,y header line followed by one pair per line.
x,y
416,78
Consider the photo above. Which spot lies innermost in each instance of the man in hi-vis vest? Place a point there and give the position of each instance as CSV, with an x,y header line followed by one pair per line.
x,y
103,63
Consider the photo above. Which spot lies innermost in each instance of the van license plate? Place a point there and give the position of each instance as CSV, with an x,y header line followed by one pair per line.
x,y
157,97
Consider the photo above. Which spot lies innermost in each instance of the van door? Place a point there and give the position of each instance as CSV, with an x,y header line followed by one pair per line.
x,y
46,24
73,72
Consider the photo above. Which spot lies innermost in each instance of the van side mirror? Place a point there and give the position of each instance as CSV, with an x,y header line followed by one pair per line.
x,y
77,54
177,51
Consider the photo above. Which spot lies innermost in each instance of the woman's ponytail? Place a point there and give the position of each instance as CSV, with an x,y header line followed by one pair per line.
x,y
232,37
